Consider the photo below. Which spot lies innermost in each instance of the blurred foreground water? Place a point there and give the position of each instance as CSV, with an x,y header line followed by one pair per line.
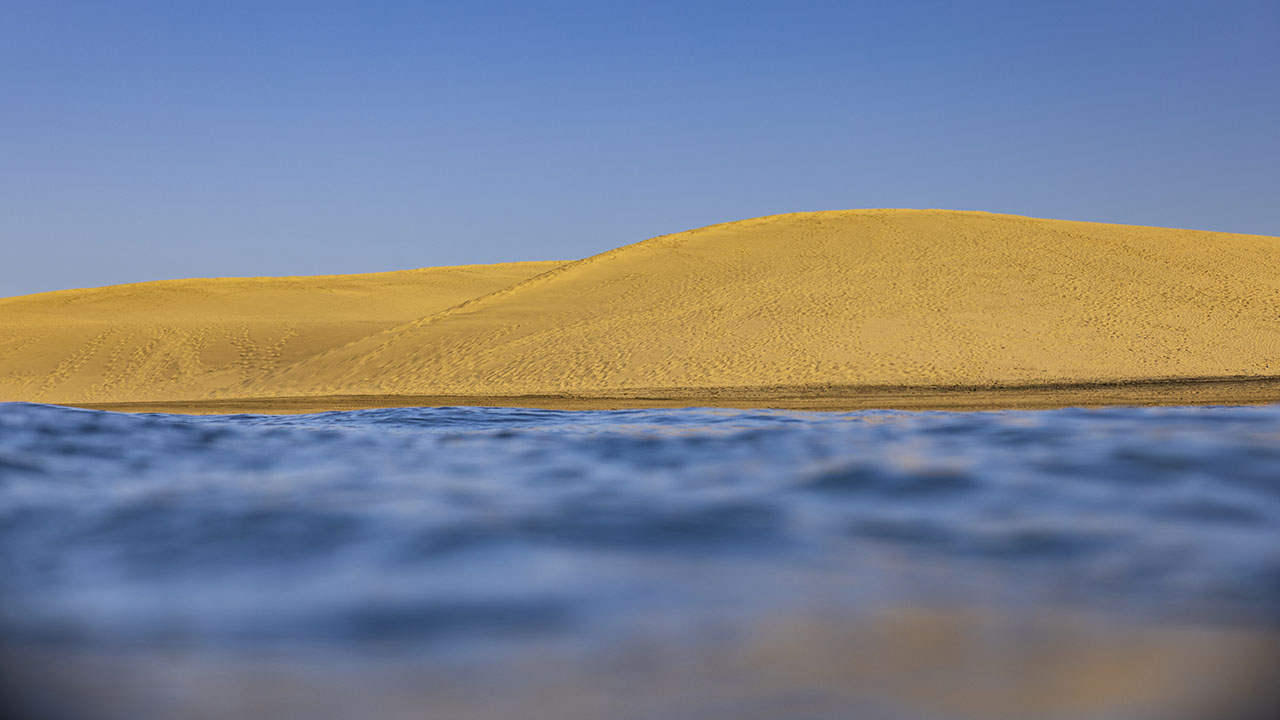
x,y
503,563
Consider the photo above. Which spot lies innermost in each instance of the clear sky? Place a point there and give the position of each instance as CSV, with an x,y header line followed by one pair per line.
x,y
174,138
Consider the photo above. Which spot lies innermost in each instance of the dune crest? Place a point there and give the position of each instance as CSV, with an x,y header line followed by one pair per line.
x,y
870,297
857,298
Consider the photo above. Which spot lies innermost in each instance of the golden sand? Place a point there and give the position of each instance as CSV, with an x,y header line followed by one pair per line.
x,y
829,307
183,339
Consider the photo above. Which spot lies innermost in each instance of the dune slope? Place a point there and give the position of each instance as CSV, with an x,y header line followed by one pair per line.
x,y
814,305
862,297
182,339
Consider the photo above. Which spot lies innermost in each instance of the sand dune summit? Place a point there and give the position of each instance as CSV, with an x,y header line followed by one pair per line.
x,y
800,304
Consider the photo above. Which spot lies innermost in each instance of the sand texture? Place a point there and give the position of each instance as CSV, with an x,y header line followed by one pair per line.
x,y
184,339
843,303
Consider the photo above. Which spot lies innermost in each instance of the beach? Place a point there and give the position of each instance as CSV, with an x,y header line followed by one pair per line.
x,y
1201,391
839,310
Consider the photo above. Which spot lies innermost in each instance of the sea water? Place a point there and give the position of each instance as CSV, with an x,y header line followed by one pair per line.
x,y
472,562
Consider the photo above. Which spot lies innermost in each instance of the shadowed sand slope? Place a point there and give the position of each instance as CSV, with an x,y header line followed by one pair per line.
x,y
181,339
851,298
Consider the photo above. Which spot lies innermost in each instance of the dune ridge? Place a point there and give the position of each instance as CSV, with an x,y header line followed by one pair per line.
x,y
837,302
842,298
182,339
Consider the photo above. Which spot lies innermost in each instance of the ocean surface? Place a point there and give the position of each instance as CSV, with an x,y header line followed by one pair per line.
x,y
638,563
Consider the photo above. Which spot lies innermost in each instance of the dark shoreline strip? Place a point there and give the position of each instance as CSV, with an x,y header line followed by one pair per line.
x,y
1163,392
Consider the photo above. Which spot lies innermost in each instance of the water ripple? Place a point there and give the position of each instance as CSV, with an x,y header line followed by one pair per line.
x,y
455,522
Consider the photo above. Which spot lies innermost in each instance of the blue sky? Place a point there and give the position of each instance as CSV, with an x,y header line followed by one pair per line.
x,y
151,140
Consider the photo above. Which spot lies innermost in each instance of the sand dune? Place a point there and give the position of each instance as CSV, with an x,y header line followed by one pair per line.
x,y
874,297
859,298
182,339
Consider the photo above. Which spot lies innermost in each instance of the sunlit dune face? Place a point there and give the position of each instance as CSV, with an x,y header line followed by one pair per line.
x,y
182,339
790,303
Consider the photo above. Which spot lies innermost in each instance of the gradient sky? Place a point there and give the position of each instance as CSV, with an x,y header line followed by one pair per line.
x,y
151,140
